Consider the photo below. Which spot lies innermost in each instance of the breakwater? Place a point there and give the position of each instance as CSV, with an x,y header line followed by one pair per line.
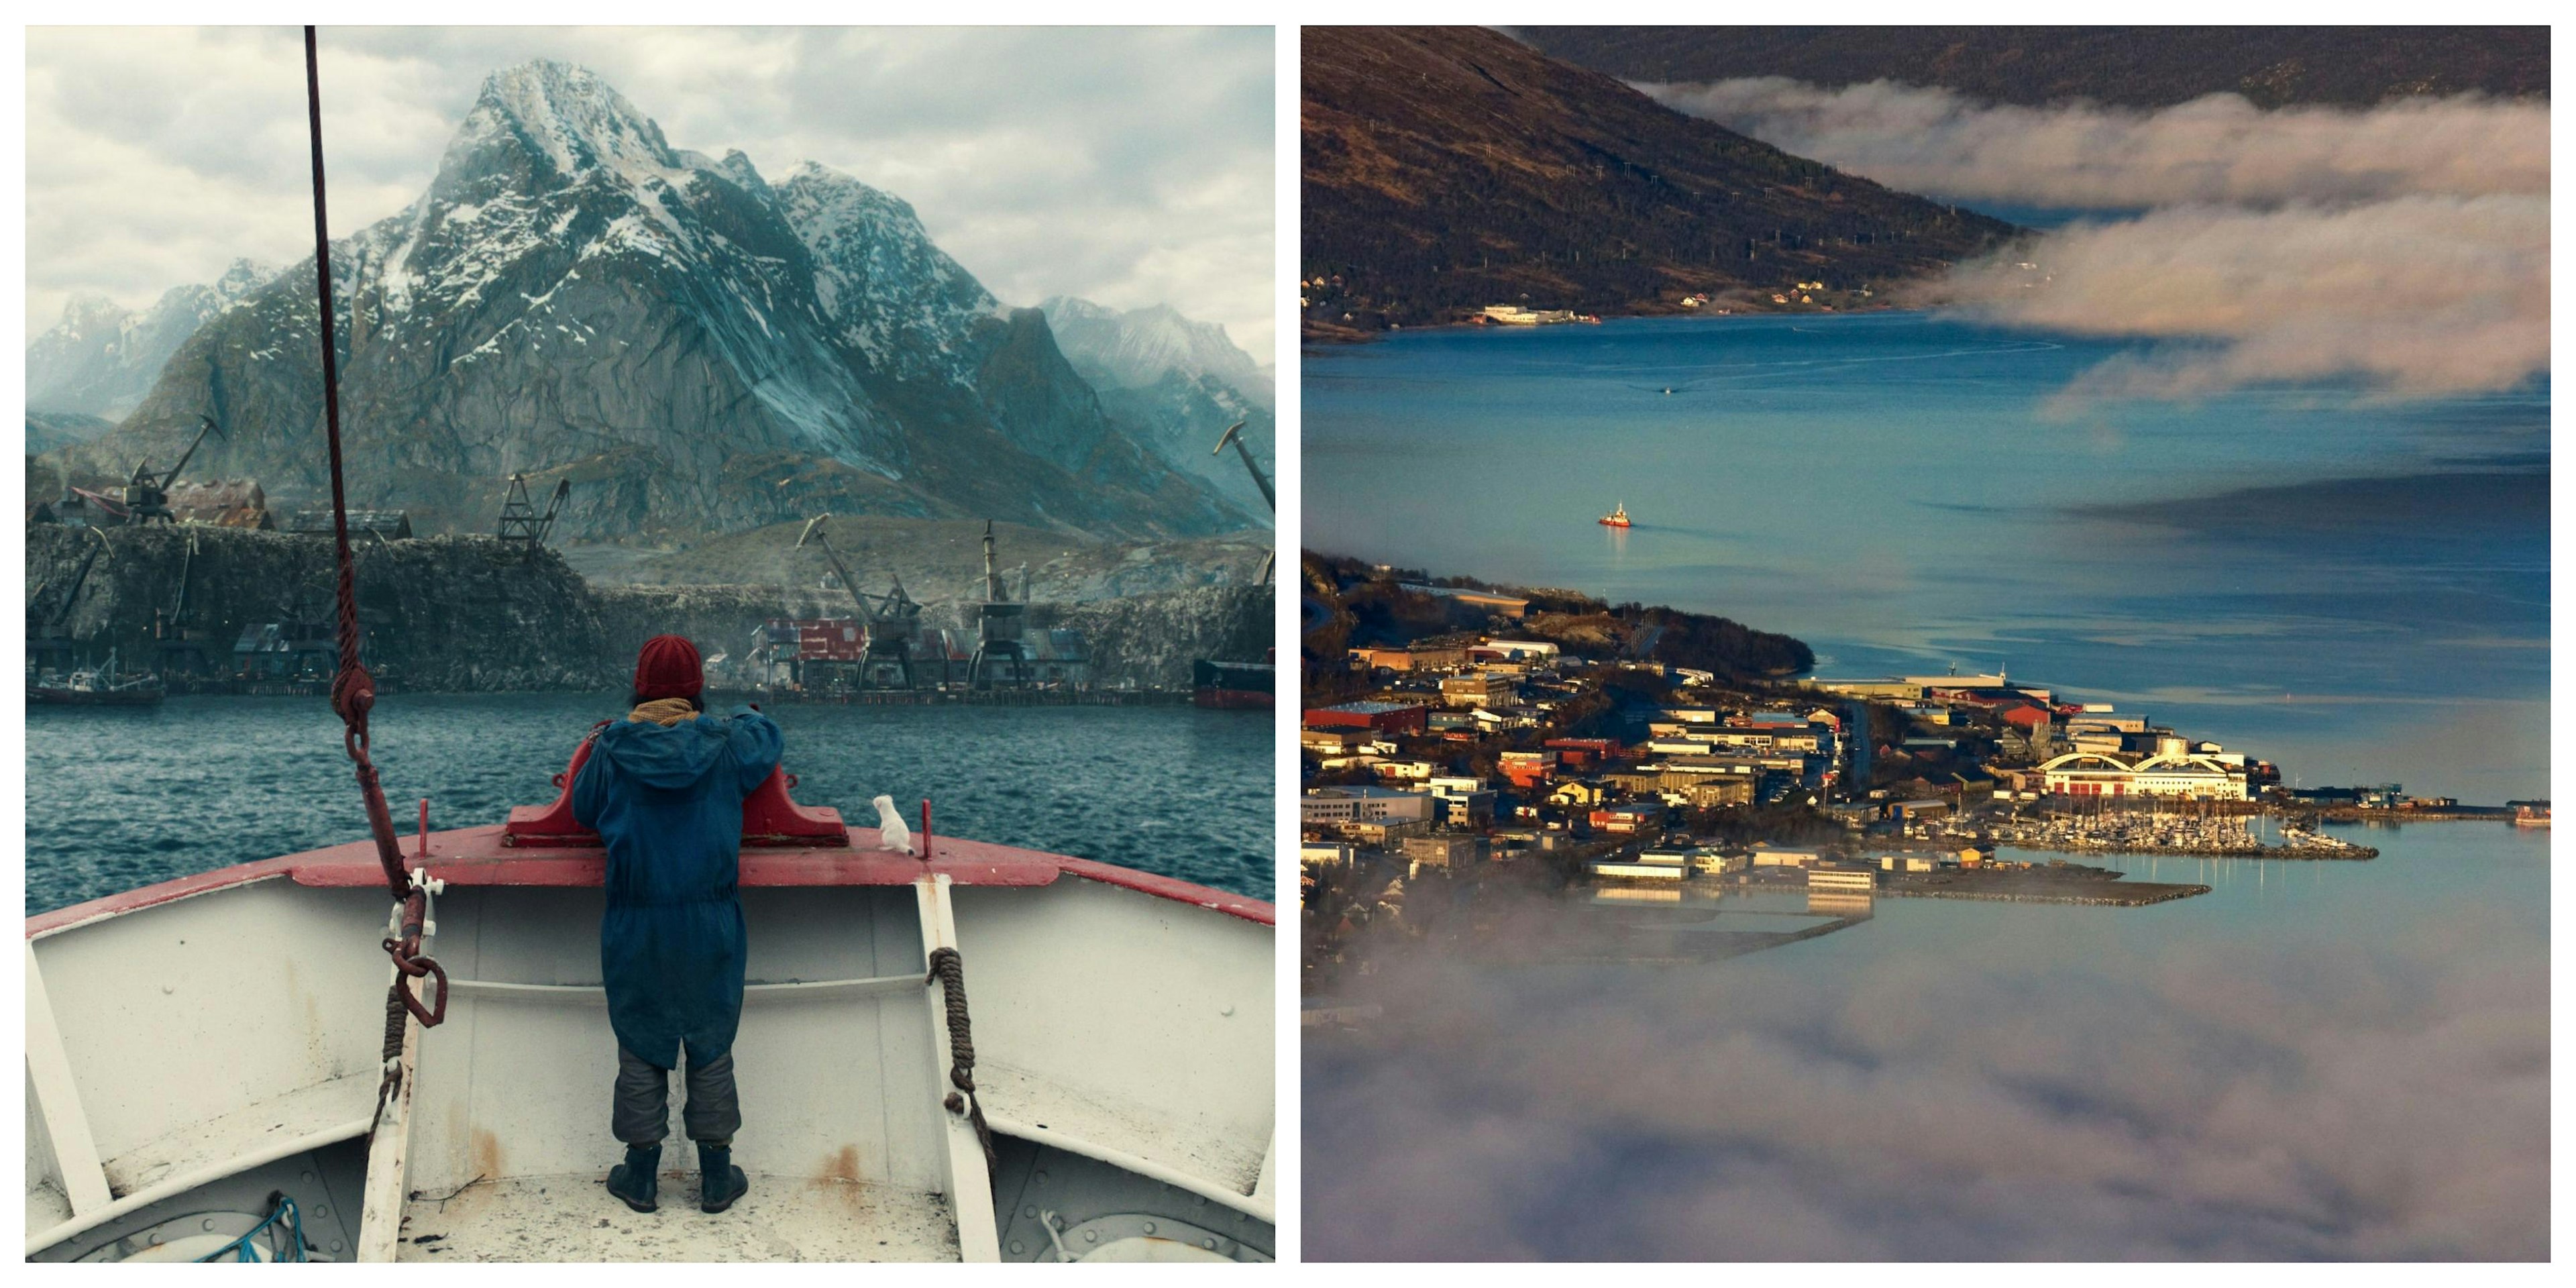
x,y
2004,889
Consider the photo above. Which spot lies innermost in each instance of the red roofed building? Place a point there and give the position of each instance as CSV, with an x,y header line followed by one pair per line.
x,y
1627,819
1379,717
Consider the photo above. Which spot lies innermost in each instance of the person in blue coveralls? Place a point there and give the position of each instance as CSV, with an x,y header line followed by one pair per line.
x,y
664,789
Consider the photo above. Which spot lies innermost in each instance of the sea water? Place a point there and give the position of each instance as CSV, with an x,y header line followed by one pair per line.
x,y
2315,1060
118,798
2352,587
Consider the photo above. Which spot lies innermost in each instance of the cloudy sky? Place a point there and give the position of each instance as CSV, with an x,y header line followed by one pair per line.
x,y
1132,167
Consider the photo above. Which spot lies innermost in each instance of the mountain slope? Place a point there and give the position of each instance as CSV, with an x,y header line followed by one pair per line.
x,y
2126,66
692,348
100,360
1450,168
1174,385
1141,346
48,430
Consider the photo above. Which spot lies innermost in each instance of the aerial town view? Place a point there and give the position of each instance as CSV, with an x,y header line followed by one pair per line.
x,y
1924,644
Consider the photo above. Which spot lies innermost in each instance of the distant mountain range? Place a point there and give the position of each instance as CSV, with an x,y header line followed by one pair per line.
x,y
1450,168
2127,66
695,348
1178,384
100,360
49,430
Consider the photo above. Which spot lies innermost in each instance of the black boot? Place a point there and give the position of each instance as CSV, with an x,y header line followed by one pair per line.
x,y
633,1181
719,1181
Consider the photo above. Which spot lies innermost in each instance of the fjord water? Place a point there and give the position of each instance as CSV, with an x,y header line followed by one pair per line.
x,y
2355,588
2316,1060
118,799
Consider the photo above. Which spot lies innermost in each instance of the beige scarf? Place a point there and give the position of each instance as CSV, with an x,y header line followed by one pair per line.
x,y
665,712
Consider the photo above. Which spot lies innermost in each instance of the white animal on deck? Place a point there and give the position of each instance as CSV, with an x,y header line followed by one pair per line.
x,y
892,834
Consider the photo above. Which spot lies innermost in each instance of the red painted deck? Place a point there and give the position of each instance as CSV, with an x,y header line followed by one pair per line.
x,y
474,856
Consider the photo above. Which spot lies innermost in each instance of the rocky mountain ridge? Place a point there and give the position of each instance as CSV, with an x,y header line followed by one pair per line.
x,y
692,348
1451,168
1176,384
101,359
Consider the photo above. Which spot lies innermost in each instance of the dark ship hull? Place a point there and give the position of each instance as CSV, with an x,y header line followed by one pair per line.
x,y
1233,686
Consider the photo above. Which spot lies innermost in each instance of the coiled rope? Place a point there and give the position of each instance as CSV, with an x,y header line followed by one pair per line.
x,y
948,969
353,690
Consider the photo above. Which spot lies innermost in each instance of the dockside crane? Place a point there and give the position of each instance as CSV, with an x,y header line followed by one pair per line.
x,y
1234,435
998,628
145,498
893,619
521,520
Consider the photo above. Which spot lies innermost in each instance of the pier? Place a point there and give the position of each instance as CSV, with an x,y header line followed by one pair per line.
x,y
959,697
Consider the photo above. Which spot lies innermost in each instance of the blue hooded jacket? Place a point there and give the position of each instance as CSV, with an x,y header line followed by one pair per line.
x,y
668,801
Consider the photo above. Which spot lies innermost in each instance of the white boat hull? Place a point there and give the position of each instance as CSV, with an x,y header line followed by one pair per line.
x,y
194,1043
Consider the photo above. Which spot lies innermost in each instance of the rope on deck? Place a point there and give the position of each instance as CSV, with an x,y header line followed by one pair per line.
x,y
948,970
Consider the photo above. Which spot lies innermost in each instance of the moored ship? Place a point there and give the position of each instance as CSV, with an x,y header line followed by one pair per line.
x,y
1234,685
97,686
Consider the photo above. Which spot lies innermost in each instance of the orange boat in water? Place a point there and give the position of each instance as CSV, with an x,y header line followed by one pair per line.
x,y
1616,518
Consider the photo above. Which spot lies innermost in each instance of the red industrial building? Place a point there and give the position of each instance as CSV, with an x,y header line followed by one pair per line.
x,y
1626,820
1378,717
1580,752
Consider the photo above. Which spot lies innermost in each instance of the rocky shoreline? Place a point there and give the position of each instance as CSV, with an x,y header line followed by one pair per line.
x,y
471,614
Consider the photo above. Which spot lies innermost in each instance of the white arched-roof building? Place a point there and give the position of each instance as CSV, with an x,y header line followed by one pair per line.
x,y
2173,773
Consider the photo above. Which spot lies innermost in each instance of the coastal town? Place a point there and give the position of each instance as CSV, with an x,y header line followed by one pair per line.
x,y
1461,739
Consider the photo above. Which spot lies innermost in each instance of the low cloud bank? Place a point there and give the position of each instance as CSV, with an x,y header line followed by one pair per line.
x,y
2219,149
2417,296
2314,1101
2403,248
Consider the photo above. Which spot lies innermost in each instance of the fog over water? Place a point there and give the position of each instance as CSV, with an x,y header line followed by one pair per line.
x,y
2319,1060
2404,246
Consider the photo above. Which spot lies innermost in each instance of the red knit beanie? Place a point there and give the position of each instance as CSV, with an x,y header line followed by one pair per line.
x,y
668,668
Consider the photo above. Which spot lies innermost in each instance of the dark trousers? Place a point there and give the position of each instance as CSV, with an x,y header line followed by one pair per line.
x,y
642,1113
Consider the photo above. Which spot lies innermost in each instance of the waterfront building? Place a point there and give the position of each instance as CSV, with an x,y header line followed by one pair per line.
x,y
2187,775
1631,870
1336,806
1842,880
1767,855
1886,690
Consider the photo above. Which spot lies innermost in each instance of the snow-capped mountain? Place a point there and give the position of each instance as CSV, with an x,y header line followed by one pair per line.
x,y
1175,384
100,360
1138,347
694,348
